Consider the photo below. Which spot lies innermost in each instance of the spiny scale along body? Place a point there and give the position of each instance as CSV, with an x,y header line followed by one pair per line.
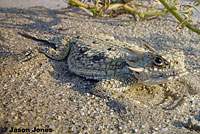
x,y
117,65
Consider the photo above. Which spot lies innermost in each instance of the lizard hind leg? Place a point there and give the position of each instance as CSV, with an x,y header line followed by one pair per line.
x,y
62,48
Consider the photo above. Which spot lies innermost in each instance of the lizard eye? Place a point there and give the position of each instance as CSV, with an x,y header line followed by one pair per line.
x,y
158,60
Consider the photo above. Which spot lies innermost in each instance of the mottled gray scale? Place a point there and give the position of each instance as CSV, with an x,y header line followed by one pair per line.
x,y
95,54
97,57
118,65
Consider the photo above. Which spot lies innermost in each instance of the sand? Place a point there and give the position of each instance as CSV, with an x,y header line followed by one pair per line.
x,y
41,93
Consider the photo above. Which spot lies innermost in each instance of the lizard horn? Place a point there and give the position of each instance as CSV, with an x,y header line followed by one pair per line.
x,y
149,47
131,66
138,52
136,69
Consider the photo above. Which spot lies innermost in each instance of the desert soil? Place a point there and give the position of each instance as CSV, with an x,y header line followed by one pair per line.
x,y
42,93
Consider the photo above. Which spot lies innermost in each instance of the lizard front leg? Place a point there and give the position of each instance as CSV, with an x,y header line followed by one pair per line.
x,y
114,87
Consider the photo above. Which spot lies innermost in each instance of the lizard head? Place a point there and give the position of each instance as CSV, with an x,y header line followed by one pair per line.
x,y
157,67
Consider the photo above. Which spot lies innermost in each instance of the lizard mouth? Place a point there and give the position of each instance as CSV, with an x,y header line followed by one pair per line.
x,y
168,73
161,76
178,74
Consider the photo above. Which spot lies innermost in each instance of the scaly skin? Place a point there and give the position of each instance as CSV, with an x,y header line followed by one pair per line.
x,y
118,68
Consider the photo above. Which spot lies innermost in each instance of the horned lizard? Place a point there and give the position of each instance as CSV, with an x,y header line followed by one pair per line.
x,y
117,65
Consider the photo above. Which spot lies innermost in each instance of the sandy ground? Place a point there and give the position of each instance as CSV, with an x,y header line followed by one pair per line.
x,y
41,93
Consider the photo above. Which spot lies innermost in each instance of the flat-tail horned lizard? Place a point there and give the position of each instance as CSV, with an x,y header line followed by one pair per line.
x,y
117,65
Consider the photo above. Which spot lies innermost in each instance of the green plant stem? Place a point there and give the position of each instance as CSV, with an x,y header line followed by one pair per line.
x,y
178,17
81,4
170,9
128,8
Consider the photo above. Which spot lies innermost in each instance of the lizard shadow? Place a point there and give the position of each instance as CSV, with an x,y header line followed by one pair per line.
x,y
188,125
5,53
